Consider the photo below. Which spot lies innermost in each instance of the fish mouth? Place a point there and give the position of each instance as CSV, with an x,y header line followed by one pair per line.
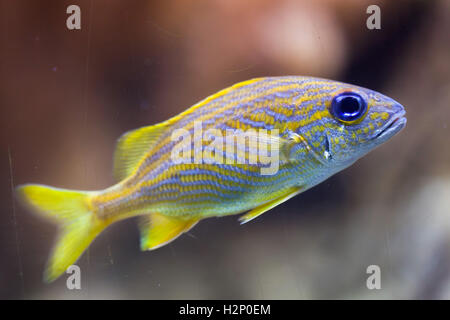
x,y
396,124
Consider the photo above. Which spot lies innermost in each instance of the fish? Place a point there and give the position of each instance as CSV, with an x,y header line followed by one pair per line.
x,y
298,131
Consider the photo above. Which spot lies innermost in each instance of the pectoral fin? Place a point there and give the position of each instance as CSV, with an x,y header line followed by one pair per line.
x,y
267,206
158,230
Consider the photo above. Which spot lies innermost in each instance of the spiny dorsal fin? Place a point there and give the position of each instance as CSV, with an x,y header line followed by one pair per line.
x,y
256,212
158,230
133,146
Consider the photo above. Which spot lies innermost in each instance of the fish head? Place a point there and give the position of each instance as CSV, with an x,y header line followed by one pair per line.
x,y
353,121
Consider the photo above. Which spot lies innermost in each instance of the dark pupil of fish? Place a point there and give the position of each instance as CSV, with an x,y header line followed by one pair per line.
x,y
350,106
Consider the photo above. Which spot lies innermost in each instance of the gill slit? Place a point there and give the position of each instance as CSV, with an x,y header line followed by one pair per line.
x,y
297,138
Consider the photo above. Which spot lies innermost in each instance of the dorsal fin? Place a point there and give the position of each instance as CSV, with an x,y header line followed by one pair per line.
x,y
133,146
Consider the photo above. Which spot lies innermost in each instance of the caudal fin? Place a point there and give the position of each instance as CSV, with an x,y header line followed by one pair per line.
x,y
71,211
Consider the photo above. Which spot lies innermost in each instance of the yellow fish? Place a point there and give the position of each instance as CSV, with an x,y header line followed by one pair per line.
x,y
297,132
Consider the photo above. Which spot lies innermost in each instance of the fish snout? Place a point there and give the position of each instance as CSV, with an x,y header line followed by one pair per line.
x,y
395,123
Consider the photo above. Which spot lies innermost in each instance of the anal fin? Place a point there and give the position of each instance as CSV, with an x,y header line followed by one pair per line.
x,y
158,230
256,212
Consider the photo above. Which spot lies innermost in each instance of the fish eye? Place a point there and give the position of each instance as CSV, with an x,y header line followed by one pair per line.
x,y
348,106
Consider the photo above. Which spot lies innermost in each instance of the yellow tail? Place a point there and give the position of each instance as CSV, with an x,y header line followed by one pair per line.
x,y
71,211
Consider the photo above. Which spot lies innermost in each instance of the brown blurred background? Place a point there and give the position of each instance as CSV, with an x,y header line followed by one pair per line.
x,y
66,96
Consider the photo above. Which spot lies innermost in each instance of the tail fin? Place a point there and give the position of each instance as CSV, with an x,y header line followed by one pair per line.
x,y
77,225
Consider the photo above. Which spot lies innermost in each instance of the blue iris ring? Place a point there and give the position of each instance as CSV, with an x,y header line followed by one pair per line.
x,y
348,106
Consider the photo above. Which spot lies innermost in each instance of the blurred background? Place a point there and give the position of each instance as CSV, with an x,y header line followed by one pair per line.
x,y
66,96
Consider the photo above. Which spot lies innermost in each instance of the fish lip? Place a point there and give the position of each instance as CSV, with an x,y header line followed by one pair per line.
x,y
397,123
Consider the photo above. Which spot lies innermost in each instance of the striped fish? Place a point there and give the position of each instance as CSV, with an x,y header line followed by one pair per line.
x,y
321,127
